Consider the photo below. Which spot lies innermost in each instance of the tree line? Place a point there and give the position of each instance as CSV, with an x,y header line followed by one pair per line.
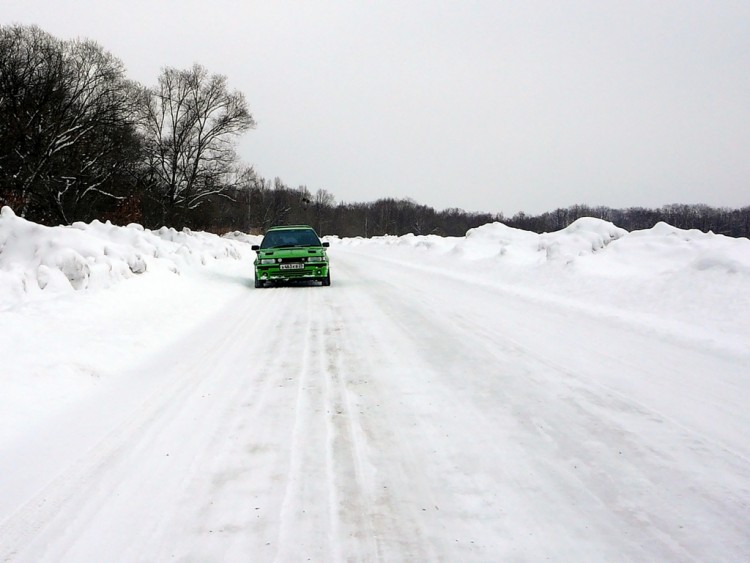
x,y
720,220
261,204
80,141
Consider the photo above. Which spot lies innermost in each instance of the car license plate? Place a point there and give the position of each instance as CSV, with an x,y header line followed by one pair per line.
x,y
292,266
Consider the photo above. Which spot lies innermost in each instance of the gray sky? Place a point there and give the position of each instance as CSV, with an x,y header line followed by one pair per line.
x,y
483,105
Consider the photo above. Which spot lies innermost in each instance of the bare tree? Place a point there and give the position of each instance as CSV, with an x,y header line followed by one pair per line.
x,y
67,130
323,203
190,120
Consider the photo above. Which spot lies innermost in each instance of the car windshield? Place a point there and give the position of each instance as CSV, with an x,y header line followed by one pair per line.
x,y
289,238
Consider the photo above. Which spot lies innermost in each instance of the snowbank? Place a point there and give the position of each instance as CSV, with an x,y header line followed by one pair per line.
x,y
83,304
38,261
673,276
660,249
665,249
593,245
682,281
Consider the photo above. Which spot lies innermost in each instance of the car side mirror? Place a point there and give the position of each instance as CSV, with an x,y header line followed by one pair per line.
x,y
326,245
255,247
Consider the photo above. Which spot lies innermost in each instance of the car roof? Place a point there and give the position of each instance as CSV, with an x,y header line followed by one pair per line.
x,y
289,227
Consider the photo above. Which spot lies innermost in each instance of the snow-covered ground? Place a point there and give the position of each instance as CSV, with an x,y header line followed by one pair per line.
x,y
579,395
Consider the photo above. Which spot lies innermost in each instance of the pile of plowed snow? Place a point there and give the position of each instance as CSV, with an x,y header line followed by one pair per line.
x,y
672,275
589,244
39,261
662,248
683,280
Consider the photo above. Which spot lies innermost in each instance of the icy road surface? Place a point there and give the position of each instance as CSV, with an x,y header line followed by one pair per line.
x,y
395,416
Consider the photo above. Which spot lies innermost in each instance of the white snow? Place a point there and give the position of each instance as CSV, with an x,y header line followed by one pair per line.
x,y
577,395
687,282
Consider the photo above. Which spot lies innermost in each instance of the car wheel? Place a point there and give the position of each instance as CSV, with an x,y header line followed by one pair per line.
x,y
258,284
326,280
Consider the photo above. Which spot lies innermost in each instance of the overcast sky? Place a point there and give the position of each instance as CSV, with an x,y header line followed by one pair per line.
x,y
489,105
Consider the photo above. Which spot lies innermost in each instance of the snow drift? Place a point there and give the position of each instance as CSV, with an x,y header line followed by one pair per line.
x,y
687,282
684,279
38,261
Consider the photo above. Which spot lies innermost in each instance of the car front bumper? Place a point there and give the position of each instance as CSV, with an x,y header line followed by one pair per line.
x,y
273,272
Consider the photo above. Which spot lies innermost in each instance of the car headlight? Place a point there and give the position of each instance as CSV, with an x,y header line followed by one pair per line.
x,y
268,261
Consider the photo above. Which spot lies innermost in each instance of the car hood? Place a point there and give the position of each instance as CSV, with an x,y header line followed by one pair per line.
x,y
296,252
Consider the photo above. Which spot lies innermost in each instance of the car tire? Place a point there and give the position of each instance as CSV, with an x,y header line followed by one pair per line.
x,y
326,281
258,284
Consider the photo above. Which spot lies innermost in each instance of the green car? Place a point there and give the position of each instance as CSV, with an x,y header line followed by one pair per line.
x,y
291,253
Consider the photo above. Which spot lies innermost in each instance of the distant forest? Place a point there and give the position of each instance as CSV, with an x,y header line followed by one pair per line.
x,y
255,208
80,141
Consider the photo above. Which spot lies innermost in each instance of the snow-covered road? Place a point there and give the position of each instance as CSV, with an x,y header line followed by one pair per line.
x,y
395,416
